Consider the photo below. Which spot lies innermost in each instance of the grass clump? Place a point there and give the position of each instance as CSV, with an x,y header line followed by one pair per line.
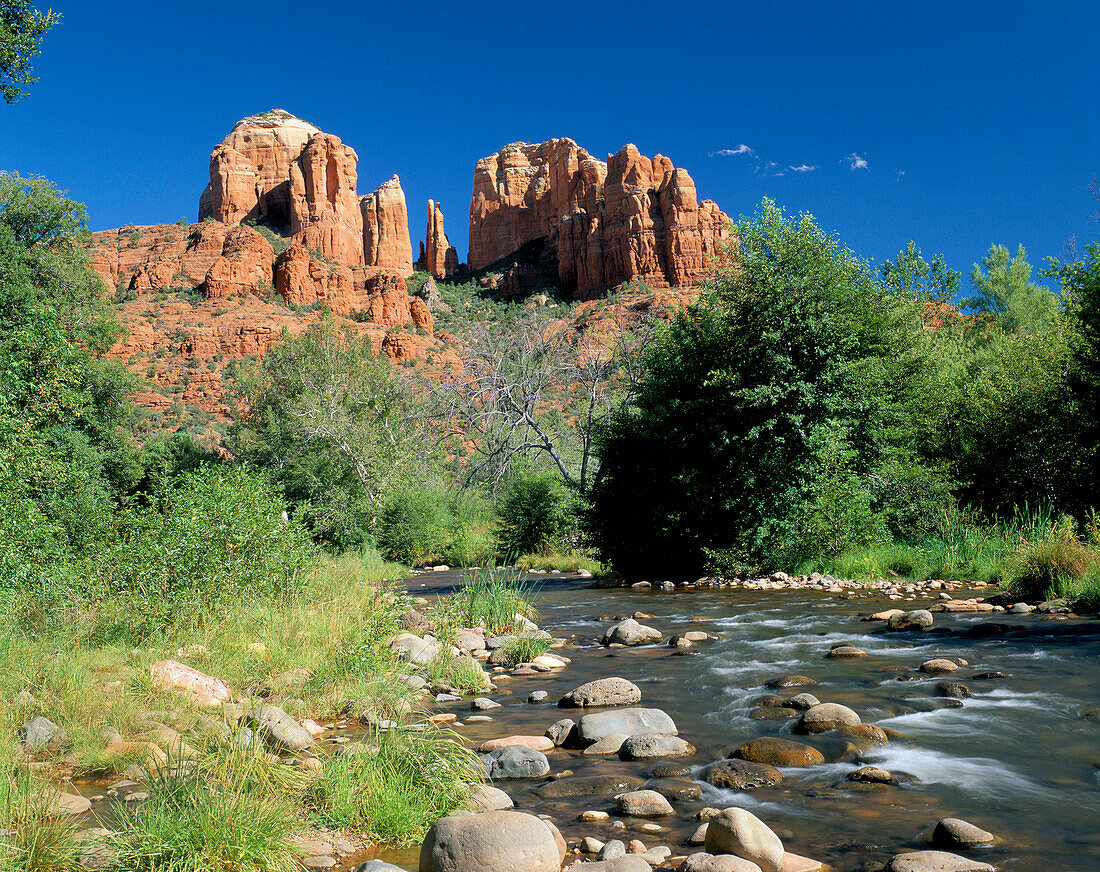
x,y
569,562
523,649
396,794
34,840
499,602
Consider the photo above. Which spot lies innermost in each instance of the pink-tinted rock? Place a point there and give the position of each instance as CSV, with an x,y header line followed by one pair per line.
x,y
204,690
386,240
437,255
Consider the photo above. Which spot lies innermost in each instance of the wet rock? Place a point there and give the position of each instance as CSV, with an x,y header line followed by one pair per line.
x,y
938,666
741,833
779,752
495,841
515,761
655,745
563,732
414,649
631,633
643,803
803,701
989,676
773,713
278,729
884,616
692,637
917,619
703,862
790,681
734,774
486,798
864,735
537,696
590,785
871,775
602,692
537,743
627,863
630,722
40,733
612,743
827,716
958,834
484,704
669,770
846,652
934,861
698,837
675,789
953,689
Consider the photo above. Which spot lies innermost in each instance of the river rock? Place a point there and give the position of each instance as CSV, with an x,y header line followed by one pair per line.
x,y
958,834
602,692
790,681
537,743
741,833
39,733
630,721
627,863
414,649
802,701
486,798
675,789
643,803
484,704
377,866
612,743
779,752
864,734
590,785
871,775
631,633
953,690
515,761
278,729
494,841
917,619
70,805
845,652
562,732
773,713
827,716
468,640
655,745
938,665
537,696
204,690
734,774
703,862
935,861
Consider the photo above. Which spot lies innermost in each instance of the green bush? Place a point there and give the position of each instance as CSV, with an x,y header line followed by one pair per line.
x,y
532,517
412,527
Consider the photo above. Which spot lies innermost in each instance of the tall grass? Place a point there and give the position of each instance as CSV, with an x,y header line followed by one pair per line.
x,y
494,600
396,794
33,839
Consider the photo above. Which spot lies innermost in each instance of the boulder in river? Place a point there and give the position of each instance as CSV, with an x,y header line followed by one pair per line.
x,y
917,619
960,835
515,761
590,785
938,666
790,681
655,745
779,752
935,861
495,841
278,729
734,774
563,732
626,863
827,716
643,803
703,862
602,692
414,649
486,798
631,633
741,833
537,743
629,721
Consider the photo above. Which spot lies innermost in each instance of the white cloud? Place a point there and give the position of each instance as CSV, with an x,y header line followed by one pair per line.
x,y
805,168
732,152
856,161
899,173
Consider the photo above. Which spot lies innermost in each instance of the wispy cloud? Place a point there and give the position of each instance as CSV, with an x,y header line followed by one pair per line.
x,y
856,161
899,174
732,152
770,168
805,168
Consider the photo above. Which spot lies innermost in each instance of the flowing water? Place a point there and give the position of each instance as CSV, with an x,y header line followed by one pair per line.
x,y
1020,758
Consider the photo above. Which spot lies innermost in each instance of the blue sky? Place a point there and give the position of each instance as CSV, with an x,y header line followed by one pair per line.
x,y
954,124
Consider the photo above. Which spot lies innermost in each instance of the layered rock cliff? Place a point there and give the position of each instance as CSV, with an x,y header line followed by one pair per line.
x,y
386,240
437,255
604,222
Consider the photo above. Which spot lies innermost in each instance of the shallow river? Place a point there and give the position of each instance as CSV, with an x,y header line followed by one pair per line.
x,y
1021,758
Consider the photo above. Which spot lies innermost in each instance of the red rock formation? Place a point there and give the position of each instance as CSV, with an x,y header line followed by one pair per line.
x,y
628,219
386,240
437,255
324,208
246,265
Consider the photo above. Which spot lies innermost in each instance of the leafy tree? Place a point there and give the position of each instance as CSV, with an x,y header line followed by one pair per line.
x,y
532,515
912,277
335,426
1005,296
716,451
22,28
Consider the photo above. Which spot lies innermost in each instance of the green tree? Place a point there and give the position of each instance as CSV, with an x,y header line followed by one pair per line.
x,y
1005,296
912,277
335,425
22,28
716,450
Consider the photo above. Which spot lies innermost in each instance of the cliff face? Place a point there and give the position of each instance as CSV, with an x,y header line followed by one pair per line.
x,y
386,240
437,255
605,223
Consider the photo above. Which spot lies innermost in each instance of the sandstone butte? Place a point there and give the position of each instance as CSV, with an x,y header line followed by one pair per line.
x,y
598,224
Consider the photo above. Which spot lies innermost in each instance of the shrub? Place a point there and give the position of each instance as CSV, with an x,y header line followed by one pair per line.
x,y
413,525
1042,565
532,516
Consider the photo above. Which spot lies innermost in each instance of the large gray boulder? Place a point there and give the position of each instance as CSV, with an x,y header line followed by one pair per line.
x,y
630,722
935,861
486,798
495,841
703,862
655,745
279,730
39,733
741,833
602,691
414,649
959,834
827,716
917,619
627,863
515,761
631,633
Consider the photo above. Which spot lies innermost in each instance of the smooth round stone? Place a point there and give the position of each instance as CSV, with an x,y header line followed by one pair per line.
x,y
803,701
827,716
602,692
871,775
935,861
486,798
938,666
958,834
741,833
675,789
515,761
734,774
535,743
768,713
495,840
537,696
953,689
703,862
779,752
790,681
590,785
655,745
846,652
643,803
669,770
